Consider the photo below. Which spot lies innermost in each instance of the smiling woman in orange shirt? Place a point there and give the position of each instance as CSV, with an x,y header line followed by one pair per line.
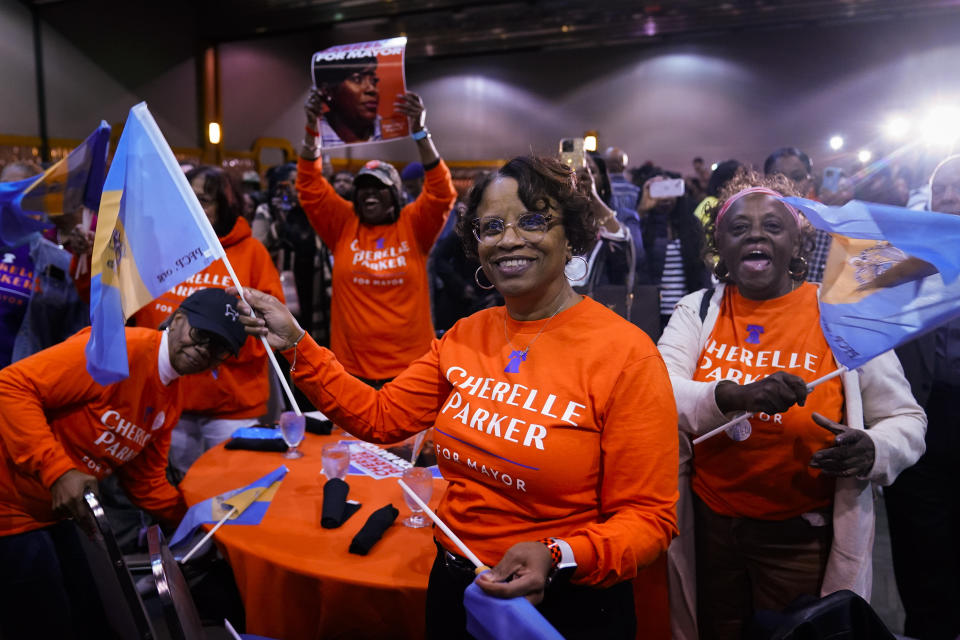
x,y
553,417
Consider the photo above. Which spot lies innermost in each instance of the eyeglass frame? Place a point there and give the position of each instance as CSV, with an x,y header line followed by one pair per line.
x,y
210,342
548,218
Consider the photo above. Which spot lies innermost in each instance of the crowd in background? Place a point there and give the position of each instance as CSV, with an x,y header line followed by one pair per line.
x,y
299,232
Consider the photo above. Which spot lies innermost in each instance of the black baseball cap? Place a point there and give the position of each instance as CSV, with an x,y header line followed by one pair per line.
x,y
216,311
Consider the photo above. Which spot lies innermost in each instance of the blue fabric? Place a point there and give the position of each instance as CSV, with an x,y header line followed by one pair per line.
x,y
16,287
625,196
17,225
490,618
257,433
55,311
894,313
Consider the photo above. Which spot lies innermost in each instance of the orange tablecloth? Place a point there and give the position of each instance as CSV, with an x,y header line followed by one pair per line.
x,y
297,579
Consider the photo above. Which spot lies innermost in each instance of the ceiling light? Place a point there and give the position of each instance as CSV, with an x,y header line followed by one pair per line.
x,y
896,127
941,126
590,141
836,143
864,155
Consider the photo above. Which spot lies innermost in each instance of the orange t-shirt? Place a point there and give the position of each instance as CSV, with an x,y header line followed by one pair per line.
x,y
767,476
579,442
239,387
380,310
54,418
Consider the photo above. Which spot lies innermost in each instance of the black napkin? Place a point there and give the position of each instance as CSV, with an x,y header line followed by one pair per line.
x,y
320,427
378,522
336,509
257,444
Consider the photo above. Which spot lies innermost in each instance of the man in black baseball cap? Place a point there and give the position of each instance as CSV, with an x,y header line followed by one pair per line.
x,y
213,318
62,432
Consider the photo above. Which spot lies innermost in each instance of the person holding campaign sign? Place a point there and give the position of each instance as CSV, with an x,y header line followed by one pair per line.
x,y
380,311
61,432
349,79
553,417
783,500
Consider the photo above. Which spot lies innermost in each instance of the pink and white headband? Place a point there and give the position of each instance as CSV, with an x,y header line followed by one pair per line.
x,y
761,190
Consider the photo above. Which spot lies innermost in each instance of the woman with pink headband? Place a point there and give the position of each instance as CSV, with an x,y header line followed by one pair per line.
x,y
781,502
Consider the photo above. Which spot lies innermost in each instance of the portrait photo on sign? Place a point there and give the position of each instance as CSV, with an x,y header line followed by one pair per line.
x,y
359,83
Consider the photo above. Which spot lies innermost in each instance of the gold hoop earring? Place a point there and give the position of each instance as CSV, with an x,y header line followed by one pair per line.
x,y
721,271
476,278
799,272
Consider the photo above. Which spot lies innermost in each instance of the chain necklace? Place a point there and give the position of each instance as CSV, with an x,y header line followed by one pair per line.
x,y
520,355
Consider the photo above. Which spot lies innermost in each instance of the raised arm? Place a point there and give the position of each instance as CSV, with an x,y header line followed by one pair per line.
x,y
326,210
429,211
403,407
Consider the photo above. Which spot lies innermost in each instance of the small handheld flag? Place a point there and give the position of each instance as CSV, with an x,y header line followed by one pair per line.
x,y
151,235
891,275
250,503
76,180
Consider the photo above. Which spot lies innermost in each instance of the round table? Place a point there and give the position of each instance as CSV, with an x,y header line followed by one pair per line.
x,y
297,580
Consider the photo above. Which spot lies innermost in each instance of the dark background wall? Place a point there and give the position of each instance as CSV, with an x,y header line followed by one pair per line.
x,y
736,95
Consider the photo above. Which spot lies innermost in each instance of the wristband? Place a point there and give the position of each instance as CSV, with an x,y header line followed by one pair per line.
x,y
561,555
420,135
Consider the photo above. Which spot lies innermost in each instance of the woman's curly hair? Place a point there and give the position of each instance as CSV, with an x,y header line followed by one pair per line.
x,y
745,179
543,183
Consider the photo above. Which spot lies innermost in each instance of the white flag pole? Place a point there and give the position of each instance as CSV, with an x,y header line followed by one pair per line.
x,y
747,414
443,527
141,112
273,358
209,535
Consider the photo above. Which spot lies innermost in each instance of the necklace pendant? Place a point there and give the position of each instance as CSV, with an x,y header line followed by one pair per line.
x,y
516,357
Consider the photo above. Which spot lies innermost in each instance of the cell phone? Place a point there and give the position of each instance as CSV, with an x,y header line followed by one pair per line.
x,y
672,188
571,152
831,178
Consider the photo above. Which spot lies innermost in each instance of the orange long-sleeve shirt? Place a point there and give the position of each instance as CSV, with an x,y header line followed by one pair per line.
x,y
380,312
239,387
580,443
767,476
54,418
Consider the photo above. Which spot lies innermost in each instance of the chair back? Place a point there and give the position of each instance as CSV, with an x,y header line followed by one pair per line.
x,y
179,610
113,579
842,615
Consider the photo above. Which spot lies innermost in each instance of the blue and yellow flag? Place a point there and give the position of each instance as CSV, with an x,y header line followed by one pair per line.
x,y
251,503
76,180
151,235
891,275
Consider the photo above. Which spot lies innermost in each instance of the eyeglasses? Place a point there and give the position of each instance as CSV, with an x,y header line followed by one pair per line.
x,y
210,342
530,226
